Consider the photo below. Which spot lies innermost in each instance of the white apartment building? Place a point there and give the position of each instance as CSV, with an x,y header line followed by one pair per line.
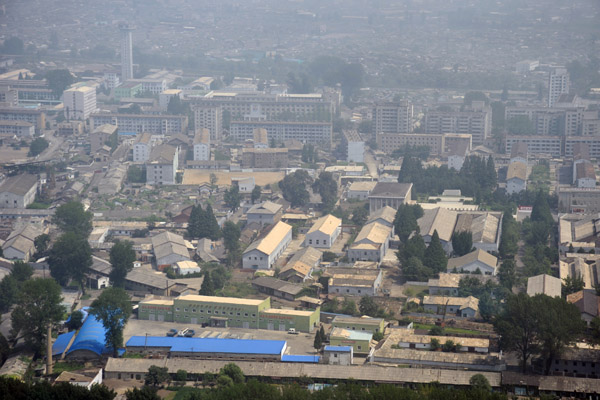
x,y
393,117
355,146
111,80
79,103
477,122
165,97
157,124
211,118
16,128
319,133
141,150
162,166
202,145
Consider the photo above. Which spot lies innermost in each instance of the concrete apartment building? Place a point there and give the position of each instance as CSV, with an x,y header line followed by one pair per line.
x,y
211,118
477,122
202,145
324,232
79,103
20,129
100,135
578,200
438,143
18,191
161,167
143,147
151,85
157,124
354,146
262,253
269,158
564,121
393,117
558,83
551,145
164,98
318,133
34,116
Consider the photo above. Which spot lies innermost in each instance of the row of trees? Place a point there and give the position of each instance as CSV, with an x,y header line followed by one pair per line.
x,y
420,262
203,223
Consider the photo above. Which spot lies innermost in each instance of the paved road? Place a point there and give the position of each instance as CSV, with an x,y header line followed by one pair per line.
x,y
371,164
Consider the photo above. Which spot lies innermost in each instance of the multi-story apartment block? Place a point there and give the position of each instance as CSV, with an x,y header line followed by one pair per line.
x,y
141,150
158,124
319,133
79,103
9,97
165,97
150,85
261,138
389,142
550,121
477,121
162,166
393,117
551,145
100,135
558,84
16,128
202,145
354,146
33,116
211,118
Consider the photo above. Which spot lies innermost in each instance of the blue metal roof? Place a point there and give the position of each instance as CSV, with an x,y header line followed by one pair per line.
x,y
300,358
210,345
91,337
346,349
61,343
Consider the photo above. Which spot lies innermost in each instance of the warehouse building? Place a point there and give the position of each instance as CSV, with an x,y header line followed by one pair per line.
x,y
227,312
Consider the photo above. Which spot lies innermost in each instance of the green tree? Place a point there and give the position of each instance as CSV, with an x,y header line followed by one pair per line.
x,y
434,344
207,288
231,236
405,222
21,271
293,188
540,211
517,326
462,243
181,375
156,376
136,174
318,342
449,346
327,189
359,215
572,285
435,256
367,306
59,80
507,274
38,305
475,96
414,247
9,292
37,146
70,258
41,245
112,308
194,224
480,382
122,257
233,371
223,381
256,192
143,393
414,270
210,224
75,321
71,217
176,106
13,46
232,197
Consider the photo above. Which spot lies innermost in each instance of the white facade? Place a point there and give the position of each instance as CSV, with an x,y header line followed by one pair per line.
x,y
557,85
589,183
79,103
210,118
162,169
456,162
17,128
18,191
356,151
201,151
324,232
111,80
245,185
141,152
165,97
126,52
263,253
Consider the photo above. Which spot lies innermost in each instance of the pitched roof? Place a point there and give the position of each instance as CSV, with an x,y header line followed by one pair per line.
x,y
519,149
517,170
362,186
268,243
462,302
326,224
373,233
19,184
386,213
162,154
277,284
477,255
440,219
586,301
391,189
202,136
544,284
268,207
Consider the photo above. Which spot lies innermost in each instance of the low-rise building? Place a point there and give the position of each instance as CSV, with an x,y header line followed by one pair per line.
x,y
588,303
389,194
519,153
466,307
338,355
407,339
18,191
360,190
516,177
359,341
384,216
457,154
169,248
300,267
270,158
20,243
354,281
99,135
441,220
581,266
20,129
354,146
324,232
202,145
360,324
544,284
262,253
277,287
370,244
266,213
474,261
245,184
485,228
578,200
186,267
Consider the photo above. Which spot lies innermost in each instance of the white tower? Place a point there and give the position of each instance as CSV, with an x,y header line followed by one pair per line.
x,y
126,51
557,85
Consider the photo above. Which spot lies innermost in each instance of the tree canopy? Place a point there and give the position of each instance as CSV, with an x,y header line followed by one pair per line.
x,y
71,217
122,257
70,258
293,187
112,308
327,189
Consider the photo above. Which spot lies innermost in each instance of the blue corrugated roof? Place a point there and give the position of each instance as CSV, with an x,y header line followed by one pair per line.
x,y
91,337
300,358
338,348
61,343
210,345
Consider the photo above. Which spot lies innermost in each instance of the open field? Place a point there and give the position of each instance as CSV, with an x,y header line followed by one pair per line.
x,y
197,177
8,154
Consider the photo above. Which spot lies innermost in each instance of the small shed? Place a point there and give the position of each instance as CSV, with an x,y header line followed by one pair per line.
x,y
338,355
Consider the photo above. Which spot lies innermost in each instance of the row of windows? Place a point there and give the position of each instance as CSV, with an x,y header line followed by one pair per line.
x,y
216,312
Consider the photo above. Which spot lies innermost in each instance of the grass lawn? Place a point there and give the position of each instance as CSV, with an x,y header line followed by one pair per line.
x,y
66,366
451,330
415,290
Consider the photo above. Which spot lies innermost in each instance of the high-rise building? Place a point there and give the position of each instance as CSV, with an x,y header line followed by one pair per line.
x,y
557,84
393,117
475,121
209,117
126,51
79,103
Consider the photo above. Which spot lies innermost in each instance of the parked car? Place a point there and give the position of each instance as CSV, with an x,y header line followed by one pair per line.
x,y
292,331
183,332
190,333
172,332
